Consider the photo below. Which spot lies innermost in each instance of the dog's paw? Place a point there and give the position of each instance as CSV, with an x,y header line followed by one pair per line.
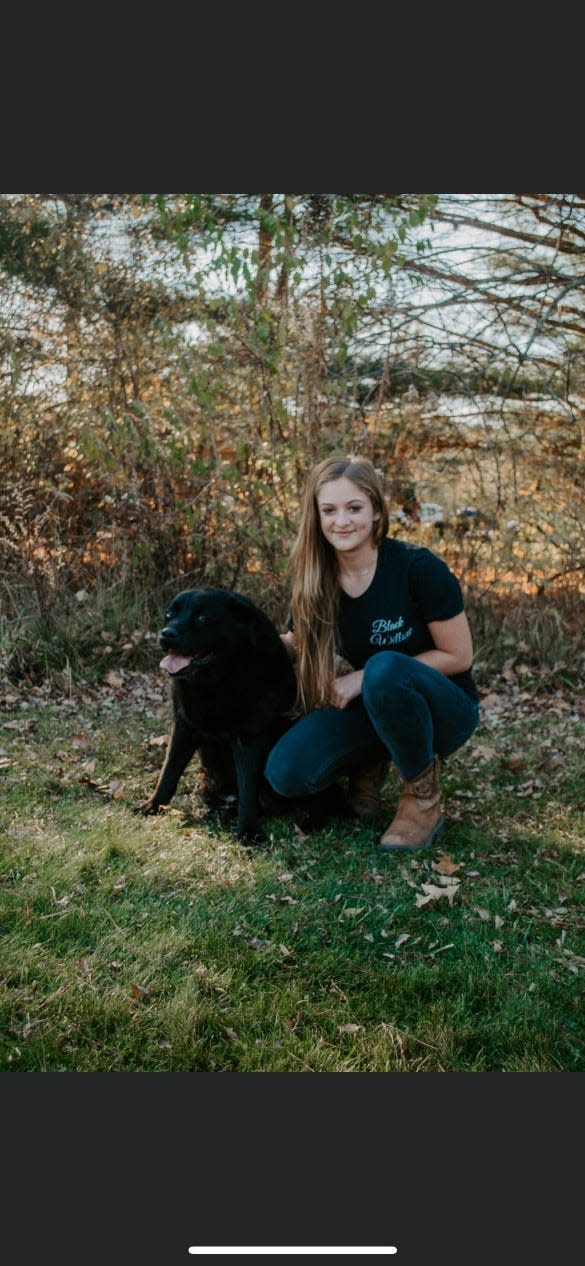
x,y
149,809
255,837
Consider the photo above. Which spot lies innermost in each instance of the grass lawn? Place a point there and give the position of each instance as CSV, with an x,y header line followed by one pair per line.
x,y
162,945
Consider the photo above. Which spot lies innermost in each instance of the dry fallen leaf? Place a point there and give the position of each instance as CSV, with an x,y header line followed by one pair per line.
x,y
407,877
491,701
527,789
139,991
441,948
515,760
67,758
445,865
433,892
91,782
349,1028
576,960
115,789
484,751
114,679
404,936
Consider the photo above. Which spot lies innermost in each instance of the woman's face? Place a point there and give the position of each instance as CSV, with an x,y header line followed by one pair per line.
x,y
346,515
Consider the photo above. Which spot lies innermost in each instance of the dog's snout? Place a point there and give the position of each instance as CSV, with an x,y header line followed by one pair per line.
x,y
167,637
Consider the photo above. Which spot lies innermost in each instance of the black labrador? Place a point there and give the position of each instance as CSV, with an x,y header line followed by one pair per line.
x,y
233,687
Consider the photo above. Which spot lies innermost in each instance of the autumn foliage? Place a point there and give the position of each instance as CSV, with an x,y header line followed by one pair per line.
x,y
172,365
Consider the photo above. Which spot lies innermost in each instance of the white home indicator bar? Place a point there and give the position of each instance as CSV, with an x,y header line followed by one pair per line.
x,y
230,1251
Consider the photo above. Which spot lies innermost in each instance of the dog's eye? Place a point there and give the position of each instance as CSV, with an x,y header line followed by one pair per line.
x,y
202,619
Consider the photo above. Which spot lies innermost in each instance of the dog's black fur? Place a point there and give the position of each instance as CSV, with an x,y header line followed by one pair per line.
x,y
233,686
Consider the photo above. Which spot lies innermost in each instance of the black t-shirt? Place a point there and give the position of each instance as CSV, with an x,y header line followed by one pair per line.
x,y
411,588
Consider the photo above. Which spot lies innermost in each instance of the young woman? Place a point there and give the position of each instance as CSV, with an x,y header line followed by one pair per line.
x,y
394,611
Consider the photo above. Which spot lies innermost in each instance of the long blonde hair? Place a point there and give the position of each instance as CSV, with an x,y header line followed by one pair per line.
x,y
315,580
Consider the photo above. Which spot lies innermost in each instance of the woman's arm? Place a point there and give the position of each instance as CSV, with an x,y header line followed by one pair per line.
x,y
453,649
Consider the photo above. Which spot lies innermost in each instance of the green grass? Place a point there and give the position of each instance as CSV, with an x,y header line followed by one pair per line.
x,y
163,945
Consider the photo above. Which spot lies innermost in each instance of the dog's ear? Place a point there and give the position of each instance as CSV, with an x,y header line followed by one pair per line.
x,y
245,618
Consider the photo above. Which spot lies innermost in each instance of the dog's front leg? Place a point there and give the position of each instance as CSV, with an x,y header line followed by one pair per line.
x,y
183,744
249,757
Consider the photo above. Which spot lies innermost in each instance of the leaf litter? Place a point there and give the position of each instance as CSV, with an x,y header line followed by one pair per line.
x,y
547,737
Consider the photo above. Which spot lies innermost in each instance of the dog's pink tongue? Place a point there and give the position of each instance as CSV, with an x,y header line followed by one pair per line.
x,y
174,663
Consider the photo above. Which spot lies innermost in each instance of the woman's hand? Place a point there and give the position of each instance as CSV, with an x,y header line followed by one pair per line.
x,y
288,641
344,689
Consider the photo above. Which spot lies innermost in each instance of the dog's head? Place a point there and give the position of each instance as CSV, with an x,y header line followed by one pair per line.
x,y
205,627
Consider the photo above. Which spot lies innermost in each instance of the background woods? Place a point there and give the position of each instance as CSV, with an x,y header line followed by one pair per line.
x,y
172,364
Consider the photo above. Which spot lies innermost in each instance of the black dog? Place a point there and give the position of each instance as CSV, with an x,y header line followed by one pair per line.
x,y
233,685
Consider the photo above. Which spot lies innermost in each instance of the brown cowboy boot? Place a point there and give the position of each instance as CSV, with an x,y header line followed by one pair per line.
x,y
363,789
418,817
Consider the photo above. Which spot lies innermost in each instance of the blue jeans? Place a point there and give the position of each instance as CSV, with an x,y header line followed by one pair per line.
x,y
407,712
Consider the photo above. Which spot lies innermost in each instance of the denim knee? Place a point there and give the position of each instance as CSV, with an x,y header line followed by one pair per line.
x,y
283,777
386,670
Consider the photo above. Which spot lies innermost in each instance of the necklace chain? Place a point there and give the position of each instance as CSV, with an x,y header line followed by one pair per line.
x,y
365,572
